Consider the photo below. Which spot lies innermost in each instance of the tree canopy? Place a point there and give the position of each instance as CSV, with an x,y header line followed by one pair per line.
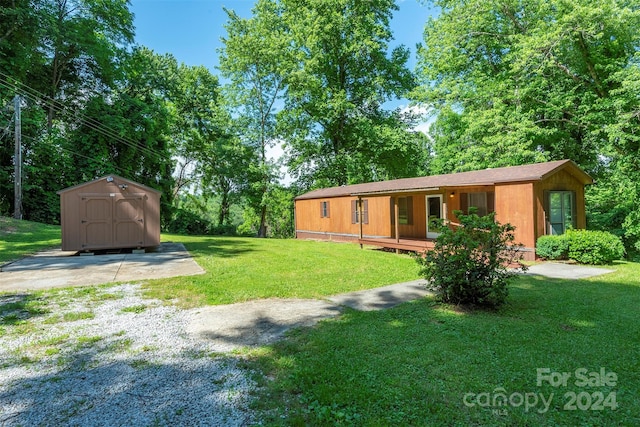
x,y
507,82
520,82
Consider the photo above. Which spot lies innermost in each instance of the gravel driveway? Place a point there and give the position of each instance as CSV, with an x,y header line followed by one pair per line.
x,y
105,357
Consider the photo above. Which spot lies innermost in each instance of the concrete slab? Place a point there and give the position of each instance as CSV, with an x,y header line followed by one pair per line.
x,y
384,297
558,270
256,322
263,321
53,269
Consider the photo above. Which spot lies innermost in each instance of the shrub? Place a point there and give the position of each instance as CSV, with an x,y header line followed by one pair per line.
x,y
469,264
187,222
553,247
594,247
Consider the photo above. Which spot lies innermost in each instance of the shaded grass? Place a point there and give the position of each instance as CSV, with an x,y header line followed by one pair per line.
x,y
21,238
413,365
241,269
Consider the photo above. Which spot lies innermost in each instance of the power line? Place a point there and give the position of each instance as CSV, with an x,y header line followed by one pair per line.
x,y
87,121
102,161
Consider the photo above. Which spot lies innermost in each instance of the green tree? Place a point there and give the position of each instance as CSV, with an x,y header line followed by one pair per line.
x,y
129,132
529,80
519,82
82,42
334,123
256,60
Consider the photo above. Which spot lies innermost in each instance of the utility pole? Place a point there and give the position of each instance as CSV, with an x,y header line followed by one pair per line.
x,y
17,213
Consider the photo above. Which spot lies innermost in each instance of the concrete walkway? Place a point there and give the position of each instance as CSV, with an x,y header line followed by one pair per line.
x,y
557,270
229,326
261,322
55,268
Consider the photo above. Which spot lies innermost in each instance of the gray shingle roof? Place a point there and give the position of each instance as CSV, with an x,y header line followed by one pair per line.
x,y
524,173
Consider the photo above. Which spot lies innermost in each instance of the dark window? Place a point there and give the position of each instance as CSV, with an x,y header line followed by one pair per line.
x,y
561,211
324,209
483,202
405,210
355,212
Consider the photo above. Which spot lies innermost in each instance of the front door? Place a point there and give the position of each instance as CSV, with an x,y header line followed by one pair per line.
x,y
434,215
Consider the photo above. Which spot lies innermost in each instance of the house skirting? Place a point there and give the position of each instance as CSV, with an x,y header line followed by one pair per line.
x,y
334,237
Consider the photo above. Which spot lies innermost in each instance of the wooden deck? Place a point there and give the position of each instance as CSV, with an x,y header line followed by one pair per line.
x,y
405,244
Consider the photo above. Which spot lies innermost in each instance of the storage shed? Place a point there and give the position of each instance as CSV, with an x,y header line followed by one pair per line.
x,y
109,213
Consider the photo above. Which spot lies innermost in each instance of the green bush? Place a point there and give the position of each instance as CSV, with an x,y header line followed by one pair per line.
x,y
187,222
553,247
594,247
469,264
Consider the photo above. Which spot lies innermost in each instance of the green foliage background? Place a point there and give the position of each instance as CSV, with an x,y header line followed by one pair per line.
x,y
506,83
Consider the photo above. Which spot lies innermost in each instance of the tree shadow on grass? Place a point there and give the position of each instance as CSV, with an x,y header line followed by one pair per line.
x,y
219,247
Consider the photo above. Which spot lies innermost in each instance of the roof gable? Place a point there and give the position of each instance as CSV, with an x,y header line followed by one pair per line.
x,y
524,173
115,178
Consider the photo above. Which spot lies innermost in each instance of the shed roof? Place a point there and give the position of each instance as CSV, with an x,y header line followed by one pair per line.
x,y
524,173
116,178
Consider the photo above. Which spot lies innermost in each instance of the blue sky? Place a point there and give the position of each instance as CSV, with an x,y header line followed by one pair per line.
x,y
191,29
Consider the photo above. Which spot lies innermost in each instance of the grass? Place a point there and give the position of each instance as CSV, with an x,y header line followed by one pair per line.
x,y
242,269
21,238
414,364
411,365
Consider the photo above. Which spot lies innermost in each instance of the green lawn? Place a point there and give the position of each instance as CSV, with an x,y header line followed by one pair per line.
x,y
241,269
21,238
421,363
416,364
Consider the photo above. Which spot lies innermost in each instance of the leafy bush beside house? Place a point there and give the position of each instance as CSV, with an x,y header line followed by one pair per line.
x,y
583,246
594,247
553,247
470,264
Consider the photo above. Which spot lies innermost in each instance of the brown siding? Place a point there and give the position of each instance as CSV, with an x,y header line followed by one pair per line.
x,y
418,228
561,181
102,215
514,205
339,223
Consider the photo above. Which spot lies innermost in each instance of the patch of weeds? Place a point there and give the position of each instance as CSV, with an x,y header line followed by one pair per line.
x,y
149,348
11,319
134,309
23,327
54,340
85,341
78,315
51,351
120,345
17,307
220,380
120,333
108,296
52,320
